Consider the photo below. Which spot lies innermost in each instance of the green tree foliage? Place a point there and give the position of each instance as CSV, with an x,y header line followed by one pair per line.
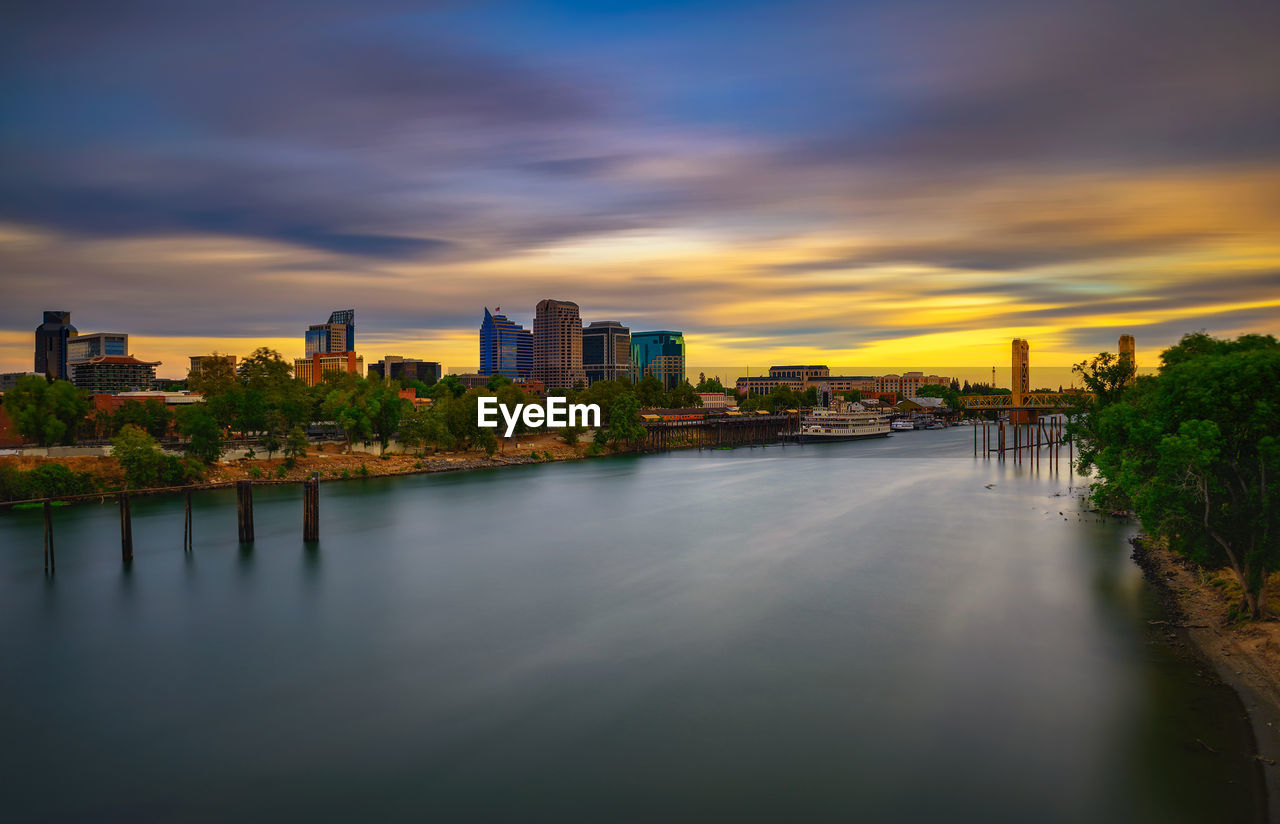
x,y
448,386
295,446
46,480
46,412
625,427
144,465
1194,451
214,377
937,390
151,415
603,393
204,436
650,394
710,385
422,428
497,382
683,395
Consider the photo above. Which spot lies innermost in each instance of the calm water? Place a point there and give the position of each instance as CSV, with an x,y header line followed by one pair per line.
x,y
838,632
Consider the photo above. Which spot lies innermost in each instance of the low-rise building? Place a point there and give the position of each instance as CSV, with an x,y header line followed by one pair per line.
x,y
394,367
311,370
8,380
714,400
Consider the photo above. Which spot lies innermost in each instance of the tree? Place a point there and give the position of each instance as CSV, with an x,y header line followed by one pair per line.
x,y
448,386
152,416
421,428
199,426
144,465
684,395
47,412
624,421
946,393
214,376
711,385
1194,451
295,446
650,394
497,382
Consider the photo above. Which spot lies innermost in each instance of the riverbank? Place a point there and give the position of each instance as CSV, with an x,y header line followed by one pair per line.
x,y
330,460
1244,654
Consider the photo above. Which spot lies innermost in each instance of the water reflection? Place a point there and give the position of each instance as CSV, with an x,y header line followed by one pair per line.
x,y
880,630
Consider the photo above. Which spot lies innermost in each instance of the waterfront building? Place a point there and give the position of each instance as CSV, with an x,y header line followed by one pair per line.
x,y
864,384
506,347
311,370
557,344
908,383
336,336
394,367
798,378
661,354
606,351
113,374
714,400
52,337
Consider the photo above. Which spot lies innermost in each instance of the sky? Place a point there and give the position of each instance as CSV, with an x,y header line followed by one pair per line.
x,y
907,183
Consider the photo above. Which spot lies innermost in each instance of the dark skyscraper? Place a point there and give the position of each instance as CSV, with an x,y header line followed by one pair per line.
x,y
506,347
606,351
338,335
51,344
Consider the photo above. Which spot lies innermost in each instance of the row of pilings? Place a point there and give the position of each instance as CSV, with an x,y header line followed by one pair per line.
x,y
709,433
1027,442
244,516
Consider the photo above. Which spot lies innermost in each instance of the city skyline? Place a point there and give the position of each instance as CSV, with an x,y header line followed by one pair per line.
x,y
815,183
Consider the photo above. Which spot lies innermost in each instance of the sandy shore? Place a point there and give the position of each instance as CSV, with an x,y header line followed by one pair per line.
x,y
1244,654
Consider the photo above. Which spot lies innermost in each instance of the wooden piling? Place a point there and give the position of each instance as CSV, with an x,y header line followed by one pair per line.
x,y
49,561
244,510
311,508
188,544
126,529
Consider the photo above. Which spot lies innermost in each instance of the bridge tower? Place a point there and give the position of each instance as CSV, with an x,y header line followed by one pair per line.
x,y
1021,383
1129,352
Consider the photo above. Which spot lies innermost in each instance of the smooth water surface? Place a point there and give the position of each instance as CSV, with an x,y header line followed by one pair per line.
x,y
860,631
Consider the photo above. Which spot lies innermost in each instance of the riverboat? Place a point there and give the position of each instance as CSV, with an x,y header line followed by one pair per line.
x,y
845,422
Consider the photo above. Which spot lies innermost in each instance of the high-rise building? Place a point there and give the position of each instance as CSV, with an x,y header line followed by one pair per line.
x,y
606,351
394,367
338,335
506,347
557,344
83,347
660,354
52,337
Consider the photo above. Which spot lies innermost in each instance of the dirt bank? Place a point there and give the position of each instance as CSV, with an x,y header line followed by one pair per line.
x,y
332,461
1245,654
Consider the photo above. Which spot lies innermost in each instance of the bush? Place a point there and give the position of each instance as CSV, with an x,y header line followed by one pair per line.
x,y
145,466
594,449
282,471
46,480
364,471
255,472
346,474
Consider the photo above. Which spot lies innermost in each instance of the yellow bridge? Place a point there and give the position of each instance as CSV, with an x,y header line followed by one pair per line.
x,y
1031,400
1023,398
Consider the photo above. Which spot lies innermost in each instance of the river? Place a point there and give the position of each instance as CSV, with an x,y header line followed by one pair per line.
x,y
882,630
